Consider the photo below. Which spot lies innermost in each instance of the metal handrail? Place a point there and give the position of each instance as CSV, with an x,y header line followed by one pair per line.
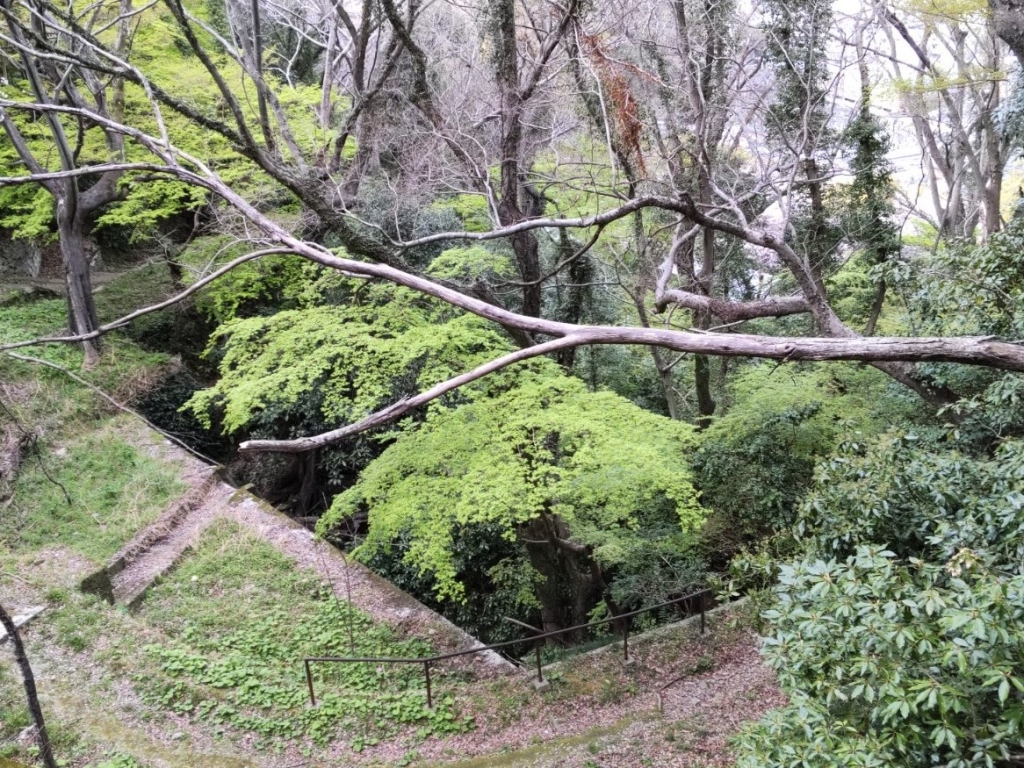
x,y
426,661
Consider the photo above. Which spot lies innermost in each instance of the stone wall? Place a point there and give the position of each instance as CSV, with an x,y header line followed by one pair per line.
x,y
19,258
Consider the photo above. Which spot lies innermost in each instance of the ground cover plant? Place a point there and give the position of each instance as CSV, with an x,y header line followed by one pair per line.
x,y
240,618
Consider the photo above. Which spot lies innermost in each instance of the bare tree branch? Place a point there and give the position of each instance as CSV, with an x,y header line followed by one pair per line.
x,y
405,405
733,311
979,350
123,321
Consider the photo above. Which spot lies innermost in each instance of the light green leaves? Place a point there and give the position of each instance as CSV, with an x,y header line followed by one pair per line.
x,y
355,358
546,445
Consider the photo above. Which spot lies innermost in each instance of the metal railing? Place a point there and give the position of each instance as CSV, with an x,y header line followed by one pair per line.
x,y
539,636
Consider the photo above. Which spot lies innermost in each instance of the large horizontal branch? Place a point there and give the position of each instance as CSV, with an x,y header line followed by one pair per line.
x,y
683,204
973,350
157,147
970,350
86,170
581,222
407,404
733,311
729,311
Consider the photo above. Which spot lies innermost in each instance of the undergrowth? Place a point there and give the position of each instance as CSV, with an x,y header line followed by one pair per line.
x,y
243,618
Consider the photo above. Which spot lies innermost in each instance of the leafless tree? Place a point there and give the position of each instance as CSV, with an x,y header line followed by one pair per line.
x,y
684,172
53,80
949,72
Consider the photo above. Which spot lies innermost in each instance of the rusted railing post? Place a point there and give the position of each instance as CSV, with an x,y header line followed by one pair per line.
x,y
426,675
309,683
625,640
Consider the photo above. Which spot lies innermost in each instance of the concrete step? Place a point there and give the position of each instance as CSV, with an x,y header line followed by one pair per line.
x,y
129,585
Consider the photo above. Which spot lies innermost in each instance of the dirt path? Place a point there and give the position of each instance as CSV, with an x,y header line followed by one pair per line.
x,y
603,714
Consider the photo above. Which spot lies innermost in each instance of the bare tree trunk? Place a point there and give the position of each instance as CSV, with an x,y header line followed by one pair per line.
x,y
29,681
702,319
1008,16
876,308
324,112
524,244
82,316
569,589
668,384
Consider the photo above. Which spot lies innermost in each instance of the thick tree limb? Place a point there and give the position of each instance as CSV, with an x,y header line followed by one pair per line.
x,y
405,405
733,311
582,222
1008,16
1011,357
843,344
26,156
87,170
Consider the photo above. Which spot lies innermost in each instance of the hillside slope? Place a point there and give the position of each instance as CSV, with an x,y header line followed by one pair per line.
x,y
199,660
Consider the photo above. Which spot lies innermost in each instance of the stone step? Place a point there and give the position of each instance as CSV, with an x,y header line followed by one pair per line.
x,y
129,585
20,619
204,479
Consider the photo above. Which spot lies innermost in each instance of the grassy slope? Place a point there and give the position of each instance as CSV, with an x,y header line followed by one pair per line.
x,y
224,633
241,617
207,672
82,492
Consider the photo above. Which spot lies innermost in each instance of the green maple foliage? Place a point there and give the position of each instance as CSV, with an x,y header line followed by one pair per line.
x,y
546,445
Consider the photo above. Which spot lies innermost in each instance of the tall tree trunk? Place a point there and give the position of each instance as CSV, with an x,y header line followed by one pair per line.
x,y
524,244
579,274
702,383
82,316
1008,16
569,589
664,368
327,84
702,320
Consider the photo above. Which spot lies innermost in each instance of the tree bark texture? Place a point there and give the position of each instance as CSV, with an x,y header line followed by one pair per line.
x,y
569,590
82,315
